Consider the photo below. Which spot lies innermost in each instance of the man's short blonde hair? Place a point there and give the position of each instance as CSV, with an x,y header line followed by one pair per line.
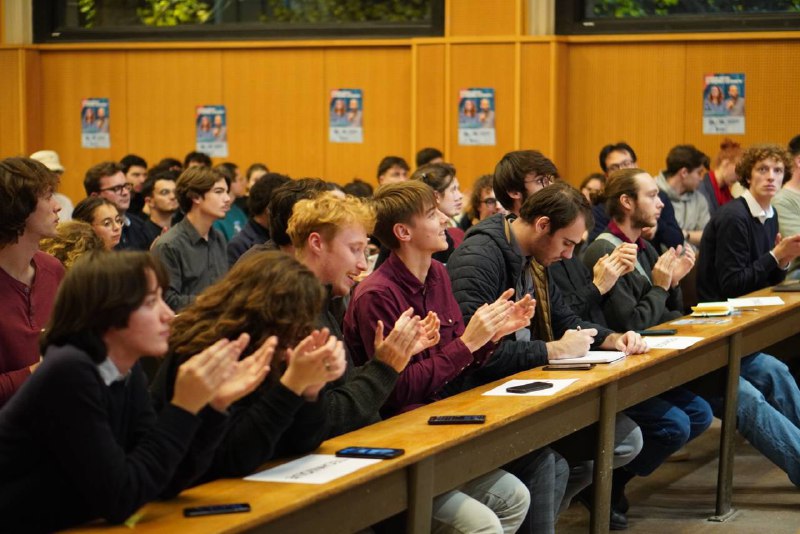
x,y
325,215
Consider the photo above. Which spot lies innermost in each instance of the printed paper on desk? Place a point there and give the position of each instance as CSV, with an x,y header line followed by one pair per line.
x,y
312,469
558,385
671,342
593,356
756,301
706,321
712,309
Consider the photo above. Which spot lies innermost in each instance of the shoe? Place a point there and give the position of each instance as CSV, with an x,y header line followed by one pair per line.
x,y
622,506
619,520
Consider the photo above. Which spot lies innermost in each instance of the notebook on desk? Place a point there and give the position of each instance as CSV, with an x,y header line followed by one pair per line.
x,y
788,285
593,356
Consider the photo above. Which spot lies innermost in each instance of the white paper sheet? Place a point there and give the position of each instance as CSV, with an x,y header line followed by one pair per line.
x,y
756,301
312,469
558,385
594,356
710,320
671,342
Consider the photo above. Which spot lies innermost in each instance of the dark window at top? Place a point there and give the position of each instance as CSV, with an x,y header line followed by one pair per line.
x,y
630,16
147,20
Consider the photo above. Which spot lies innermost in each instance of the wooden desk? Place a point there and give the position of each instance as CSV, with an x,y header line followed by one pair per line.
x,y
438,459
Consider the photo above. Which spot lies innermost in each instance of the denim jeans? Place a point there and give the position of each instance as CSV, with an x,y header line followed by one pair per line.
x,y
493,503
768,411
668,421
545,472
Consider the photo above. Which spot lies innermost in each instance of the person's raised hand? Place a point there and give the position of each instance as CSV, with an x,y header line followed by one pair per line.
x,y
519,316
486,321
396,349
247,374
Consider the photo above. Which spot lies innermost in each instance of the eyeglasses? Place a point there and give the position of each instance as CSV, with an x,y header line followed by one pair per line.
x,y
491,202
117,189
543,180
625,164
108,222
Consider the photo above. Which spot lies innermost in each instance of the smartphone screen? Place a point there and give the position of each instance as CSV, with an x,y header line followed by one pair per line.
x,y
457,420
215,509
369,452
527,388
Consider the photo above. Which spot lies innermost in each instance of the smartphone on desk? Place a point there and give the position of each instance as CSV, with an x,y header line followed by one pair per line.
x,y
568,367
661,332
374,453
529,387
215,509
457,420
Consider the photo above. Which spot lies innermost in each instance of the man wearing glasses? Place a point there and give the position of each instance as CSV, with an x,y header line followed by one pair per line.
x,y
520,174
667,234
108,181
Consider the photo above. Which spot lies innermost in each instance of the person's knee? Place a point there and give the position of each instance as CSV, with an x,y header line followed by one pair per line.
x,y
628,440
700,417
750,401
674,430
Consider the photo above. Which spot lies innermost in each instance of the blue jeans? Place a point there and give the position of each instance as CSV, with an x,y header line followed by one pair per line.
x,y
668,421
769,411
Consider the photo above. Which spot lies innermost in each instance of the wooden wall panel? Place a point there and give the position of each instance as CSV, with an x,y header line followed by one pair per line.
x,y
536,98
32,108
384,76
163,89
67,77
772,113
10,99
482,66
632,92
430,98
277,109
482,17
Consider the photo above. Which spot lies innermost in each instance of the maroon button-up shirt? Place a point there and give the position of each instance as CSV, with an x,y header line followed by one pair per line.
x,y
384,296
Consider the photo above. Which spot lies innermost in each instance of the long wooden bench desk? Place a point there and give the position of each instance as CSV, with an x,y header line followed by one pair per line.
x,y
438,459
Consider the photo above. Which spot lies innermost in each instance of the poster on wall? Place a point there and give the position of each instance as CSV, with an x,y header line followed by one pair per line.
x,y
95,114
212,131
346,112
723,104
476,117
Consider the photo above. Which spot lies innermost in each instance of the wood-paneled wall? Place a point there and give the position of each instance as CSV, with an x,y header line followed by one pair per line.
x,y
566,96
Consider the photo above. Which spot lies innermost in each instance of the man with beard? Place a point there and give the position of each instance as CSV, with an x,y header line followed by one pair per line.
x,y
642,298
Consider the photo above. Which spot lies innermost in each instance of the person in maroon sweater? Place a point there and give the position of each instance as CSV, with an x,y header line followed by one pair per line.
x,y
28,278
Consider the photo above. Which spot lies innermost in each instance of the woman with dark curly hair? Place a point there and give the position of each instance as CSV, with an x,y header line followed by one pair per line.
x,y
265,294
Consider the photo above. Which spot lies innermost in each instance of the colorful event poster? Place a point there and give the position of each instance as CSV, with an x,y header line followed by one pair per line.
x,y
476,116
95,114
212,131
723,104
346,109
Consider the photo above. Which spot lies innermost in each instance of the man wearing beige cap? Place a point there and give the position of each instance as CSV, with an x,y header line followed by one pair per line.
x,y
49,158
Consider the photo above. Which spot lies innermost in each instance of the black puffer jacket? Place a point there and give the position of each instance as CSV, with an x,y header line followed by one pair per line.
x,y
486,264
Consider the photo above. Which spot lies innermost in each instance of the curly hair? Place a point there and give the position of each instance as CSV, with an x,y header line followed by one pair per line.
x,y
756,153
73,239
481,184
23,181
326,215
266,293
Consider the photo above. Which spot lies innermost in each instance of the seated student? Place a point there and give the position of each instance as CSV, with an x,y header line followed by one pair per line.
x,y
106,180
358,188
135,169
429,155
266,294
392,169
642,298
741,252
254,173
104,217
50,159
192,251
73,239
482,203
787,201
196,159
81,439
411,226
236,217
256,231
717,184
667,233
160,202
329,235
680,181
592,186
498,253
28,277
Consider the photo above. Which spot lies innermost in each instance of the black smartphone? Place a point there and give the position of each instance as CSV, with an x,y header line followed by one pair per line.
x,y
215,509
457,420
664,332
369,452
529,387
569,367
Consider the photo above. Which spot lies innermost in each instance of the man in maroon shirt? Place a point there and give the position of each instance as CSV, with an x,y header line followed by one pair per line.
x,y
411,226
28,278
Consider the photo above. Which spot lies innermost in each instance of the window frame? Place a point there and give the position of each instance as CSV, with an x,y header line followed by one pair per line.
x,y
46,14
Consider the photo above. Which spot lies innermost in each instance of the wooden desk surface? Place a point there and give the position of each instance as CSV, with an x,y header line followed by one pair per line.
x,y
458,453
